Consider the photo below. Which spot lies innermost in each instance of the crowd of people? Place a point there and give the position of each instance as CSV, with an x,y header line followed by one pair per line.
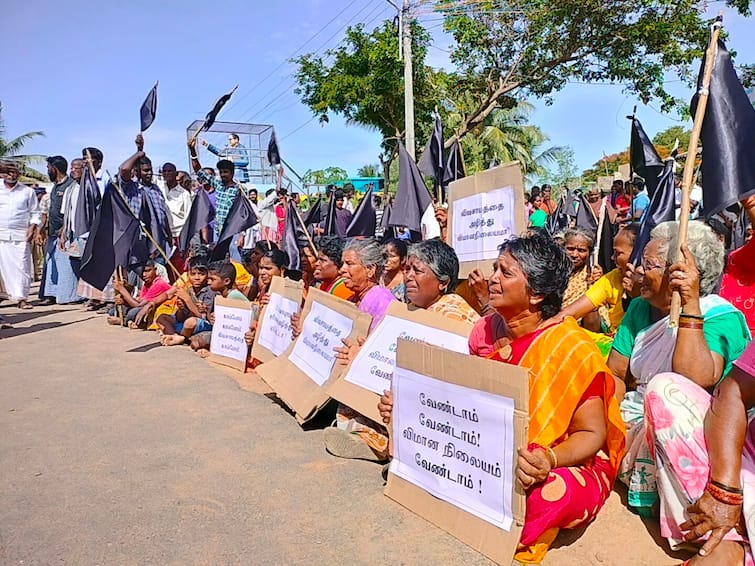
x,y
616,392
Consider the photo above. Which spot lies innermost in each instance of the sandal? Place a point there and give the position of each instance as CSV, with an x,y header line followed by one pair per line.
x,y
23,305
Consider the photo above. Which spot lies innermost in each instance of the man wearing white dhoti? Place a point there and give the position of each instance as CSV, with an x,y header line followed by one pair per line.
x,y
19,222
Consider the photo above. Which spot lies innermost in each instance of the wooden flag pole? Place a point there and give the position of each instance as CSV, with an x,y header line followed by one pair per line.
x,y
631,167
601,220
689,164
306,232
119,273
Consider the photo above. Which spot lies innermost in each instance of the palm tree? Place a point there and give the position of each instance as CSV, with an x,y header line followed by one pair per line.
x,y
11,150
368,171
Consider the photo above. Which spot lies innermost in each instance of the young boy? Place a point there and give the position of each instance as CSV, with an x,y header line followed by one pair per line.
x,y
192,313
221,279
154,285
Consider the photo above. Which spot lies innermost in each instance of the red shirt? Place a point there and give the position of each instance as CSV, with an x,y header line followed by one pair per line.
x,y
149,292
738,282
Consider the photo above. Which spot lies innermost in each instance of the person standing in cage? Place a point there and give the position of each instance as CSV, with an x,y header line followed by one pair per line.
x,y
235,152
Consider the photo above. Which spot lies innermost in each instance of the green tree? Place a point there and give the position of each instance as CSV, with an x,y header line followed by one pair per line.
x,y
364,83
563,170
535,47
667,138
10,149
369,171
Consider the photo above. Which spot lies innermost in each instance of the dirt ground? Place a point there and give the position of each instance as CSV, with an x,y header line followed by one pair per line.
x,y
115,450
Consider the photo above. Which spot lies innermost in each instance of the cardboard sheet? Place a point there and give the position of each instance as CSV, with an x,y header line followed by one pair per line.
x,y
321,332
428,446
273,335
232,320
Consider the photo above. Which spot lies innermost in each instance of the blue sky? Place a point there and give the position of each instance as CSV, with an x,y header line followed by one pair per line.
x,y
80,71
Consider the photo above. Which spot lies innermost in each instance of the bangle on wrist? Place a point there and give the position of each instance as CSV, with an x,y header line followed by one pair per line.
x,y
553,458
724,496
692,316
735,490
194,158
691,324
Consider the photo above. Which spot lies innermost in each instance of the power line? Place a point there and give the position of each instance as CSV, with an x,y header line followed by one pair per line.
x,y
271,73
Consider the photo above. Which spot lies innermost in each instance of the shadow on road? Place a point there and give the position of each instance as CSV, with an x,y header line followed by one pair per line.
x,y
145,348
15,332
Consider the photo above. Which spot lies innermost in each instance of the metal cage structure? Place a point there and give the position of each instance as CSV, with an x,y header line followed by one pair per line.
x,y
255,139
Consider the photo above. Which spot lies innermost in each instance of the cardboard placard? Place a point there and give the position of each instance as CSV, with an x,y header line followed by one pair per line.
x,y
624,172
364,380
447,452
297,375
485,210
273,336
232,320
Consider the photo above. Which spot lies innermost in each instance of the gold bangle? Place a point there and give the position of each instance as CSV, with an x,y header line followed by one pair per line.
x,y
553,457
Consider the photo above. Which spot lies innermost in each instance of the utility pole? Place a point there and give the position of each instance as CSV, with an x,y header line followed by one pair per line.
x,y
406,38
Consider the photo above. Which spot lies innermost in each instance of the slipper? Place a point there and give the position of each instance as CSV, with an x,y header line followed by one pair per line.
x,y
24,306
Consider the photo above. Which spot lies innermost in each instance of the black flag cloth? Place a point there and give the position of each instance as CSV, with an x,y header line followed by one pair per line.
x,y
149,109
240,217
86,204
662,208
645,159
728,137
739,233
273,155
585,216
454,164
314,214
109,244
559,219
432,163
330,216
200,215
364,221
212,115
294,238
412,197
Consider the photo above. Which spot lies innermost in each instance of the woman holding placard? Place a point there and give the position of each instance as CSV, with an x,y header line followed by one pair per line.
x,y
355,436
576,435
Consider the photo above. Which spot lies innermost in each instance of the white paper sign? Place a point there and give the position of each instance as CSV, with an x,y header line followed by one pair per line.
x,y
373,367
228,332
456,443
321,331
481,222
275,326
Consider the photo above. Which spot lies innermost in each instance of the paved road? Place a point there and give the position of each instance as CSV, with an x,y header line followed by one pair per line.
x,y
117,451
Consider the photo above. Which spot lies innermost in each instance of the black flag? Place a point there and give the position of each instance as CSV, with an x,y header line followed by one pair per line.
x,y
412,197
240,217
645,159
294,238
201,214
585,216
109,244
727,136
605,241
454,164
739,232
662,208
559,218
330,216
432,163
86,204
212,115
273,155
149,109
314,214
364,221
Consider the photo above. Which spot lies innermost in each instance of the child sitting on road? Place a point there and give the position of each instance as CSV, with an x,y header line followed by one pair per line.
x,y
221,278
193,308
154,285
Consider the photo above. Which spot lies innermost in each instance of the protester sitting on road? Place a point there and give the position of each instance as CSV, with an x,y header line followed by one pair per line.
x,y
609,290
392,279
576,436
221,278
722,462
328,266
579,243
154,285
656,361
251,262
193,308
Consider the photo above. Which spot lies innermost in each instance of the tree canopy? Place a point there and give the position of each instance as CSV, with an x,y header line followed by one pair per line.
x,y
10,149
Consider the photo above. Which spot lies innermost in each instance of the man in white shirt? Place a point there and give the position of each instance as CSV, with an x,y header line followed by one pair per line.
x,y
177,199
19,223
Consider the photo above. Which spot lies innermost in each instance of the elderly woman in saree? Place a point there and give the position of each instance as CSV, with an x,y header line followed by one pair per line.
x,y
722,516
328,267
576,436
656,361
430,271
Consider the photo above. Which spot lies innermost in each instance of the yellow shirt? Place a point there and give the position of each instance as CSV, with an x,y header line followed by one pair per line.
x,y
607,292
